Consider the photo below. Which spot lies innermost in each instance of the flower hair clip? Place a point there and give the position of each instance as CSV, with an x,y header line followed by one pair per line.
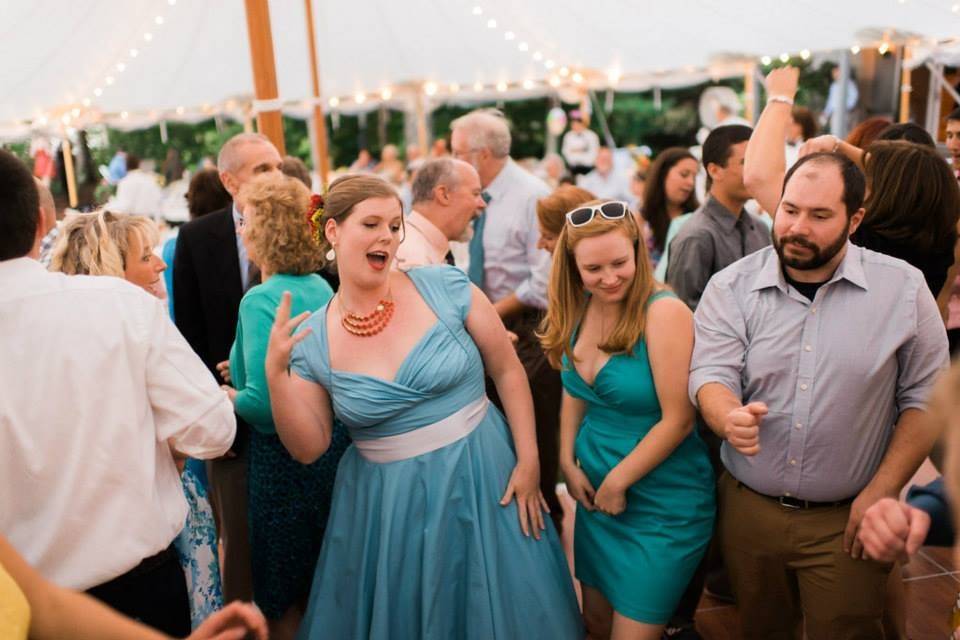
x,y
315,216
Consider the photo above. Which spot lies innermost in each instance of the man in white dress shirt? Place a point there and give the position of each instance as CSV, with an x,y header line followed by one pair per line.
x,y
507,264
580,146
138,192
446,199
98,389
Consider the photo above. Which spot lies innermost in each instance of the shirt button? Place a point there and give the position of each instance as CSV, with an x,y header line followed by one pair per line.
x,y
793,462
813,309
803,387
799,425
808,348
787,494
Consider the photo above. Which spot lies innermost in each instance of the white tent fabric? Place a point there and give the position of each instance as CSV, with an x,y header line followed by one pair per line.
x,y
55,54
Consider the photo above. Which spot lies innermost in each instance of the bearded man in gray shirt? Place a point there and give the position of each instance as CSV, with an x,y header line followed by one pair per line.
x,y
813,361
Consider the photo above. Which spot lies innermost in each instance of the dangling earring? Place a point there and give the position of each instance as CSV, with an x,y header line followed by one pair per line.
x,y
331,255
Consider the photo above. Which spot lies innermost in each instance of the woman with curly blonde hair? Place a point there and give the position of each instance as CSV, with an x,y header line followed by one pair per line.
x,y
288,501
110,244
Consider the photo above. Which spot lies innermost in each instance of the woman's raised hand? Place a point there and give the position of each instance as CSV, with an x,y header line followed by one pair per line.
x,y
282,338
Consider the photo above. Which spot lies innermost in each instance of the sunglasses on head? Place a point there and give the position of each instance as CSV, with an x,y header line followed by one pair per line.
x,y
613,210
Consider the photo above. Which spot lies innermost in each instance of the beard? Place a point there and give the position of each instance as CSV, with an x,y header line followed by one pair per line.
x,y
819,256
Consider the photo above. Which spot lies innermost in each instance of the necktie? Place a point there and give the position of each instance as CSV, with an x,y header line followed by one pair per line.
x,y
449,258
476,245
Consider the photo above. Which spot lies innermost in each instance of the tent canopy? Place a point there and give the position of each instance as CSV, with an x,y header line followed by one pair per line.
x,y
164,58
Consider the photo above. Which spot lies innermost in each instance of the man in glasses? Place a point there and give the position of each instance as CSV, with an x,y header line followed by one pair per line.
x,y
507,265
721,231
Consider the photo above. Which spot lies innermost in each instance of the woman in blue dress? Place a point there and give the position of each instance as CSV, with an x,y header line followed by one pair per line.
x,y
436,528
639,473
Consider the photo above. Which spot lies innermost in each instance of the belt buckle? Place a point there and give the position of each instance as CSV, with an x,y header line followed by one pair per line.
x,y
789,502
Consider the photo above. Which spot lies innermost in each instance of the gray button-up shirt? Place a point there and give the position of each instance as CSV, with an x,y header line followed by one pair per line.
x,y
835,373
713,239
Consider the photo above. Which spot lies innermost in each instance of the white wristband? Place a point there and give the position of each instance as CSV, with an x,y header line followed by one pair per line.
x,y
784,99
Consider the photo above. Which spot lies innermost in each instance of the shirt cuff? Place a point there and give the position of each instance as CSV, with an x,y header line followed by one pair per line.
x,y
706,375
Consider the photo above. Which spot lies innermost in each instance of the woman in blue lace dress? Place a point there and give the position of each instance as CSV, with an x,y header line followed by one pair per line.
x,y
437,527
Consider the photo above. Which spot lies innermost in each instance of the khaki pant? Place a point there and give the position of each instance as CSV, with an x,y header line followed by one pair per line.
x,y
788,569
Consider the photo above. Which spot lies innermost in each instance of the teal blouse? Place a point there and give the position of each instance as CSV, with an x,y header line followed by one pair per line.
x,y
257,312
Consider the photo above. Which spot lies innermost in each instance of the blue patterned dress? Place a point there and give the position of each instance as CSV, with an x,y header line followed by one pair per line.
x,y
197,546
419,547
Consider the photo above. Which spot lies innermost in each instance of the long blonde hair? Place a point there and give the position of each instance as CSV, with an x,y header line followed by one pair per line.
x,y
567,300
97,243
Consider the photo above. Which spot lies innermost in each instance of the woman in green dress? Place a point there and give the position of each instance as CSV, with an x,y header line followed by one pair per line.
x,y
288,502
628,452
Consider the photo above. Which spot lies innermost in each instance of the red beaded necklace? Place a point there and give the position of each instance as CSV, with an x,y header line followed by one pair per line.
x,y
370,324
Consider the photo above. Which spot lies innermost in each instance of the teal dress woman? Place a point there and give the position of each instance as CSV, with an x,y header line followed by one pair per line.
x,y
417,545
643,558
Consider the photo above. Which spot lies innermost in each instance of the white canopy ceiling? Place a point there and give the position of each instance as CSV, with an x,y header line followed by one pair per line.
x,y
59,53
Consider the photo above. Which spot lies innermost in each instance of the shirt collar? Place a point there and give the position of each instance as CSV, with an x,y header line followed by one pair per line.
x,y
501,184
850,269
431,233
237,216
723,216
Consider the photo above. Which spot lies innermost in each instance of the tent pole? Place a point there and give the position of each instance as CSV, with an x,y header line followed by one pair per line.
x,y
321,156
68,169
905,87
269,118
421,111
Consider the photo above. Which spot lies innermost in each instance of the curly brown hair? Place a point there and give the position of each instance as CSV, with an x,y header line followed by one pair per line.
x,y
276,210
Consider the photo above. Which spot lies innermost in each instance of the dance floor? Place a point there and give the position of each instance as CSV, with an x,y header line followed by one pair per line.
x,y
931,581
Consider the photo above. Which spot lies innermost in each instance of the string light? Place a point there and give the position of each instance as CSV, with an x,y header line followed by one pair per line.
x,y
955,8
334,102
454,88
430,88
477,11
805,54
180,111
509,35
86,102
386,93
549,64
528,84
883,48
478,86
121,67
108,80
564,72
765,60
537,56
98,92
148,36
613,76
158,20
124,115
577,77
491,24
134,53
523,46
360,98
784,57
501,86
554,81
855,49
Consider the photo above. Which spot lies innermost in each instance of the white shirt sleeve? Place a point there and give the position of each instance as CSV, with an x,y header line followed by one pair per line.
x,y
533,291
188,405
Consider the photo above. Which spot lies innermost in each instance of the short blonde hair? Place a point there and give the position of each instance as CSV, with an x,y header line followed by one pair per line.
x,y
98,243
276,210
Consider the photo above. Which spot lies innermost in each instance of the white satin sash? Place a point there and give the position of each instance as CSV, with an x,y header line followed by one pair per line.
x,y
425,439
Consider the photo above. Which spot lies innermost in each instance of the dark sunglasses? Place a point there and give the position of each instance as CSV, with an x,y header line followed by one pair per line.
x,y
613,210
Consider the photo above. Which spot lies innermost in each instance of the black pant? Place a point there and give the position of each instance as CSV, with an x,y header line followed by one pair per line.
x,y
154,592
547,390
953,335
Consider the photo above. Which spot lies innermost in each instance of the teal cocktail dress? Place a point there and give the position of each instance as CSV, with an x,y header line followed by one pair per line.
x,y
642,559
419,547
